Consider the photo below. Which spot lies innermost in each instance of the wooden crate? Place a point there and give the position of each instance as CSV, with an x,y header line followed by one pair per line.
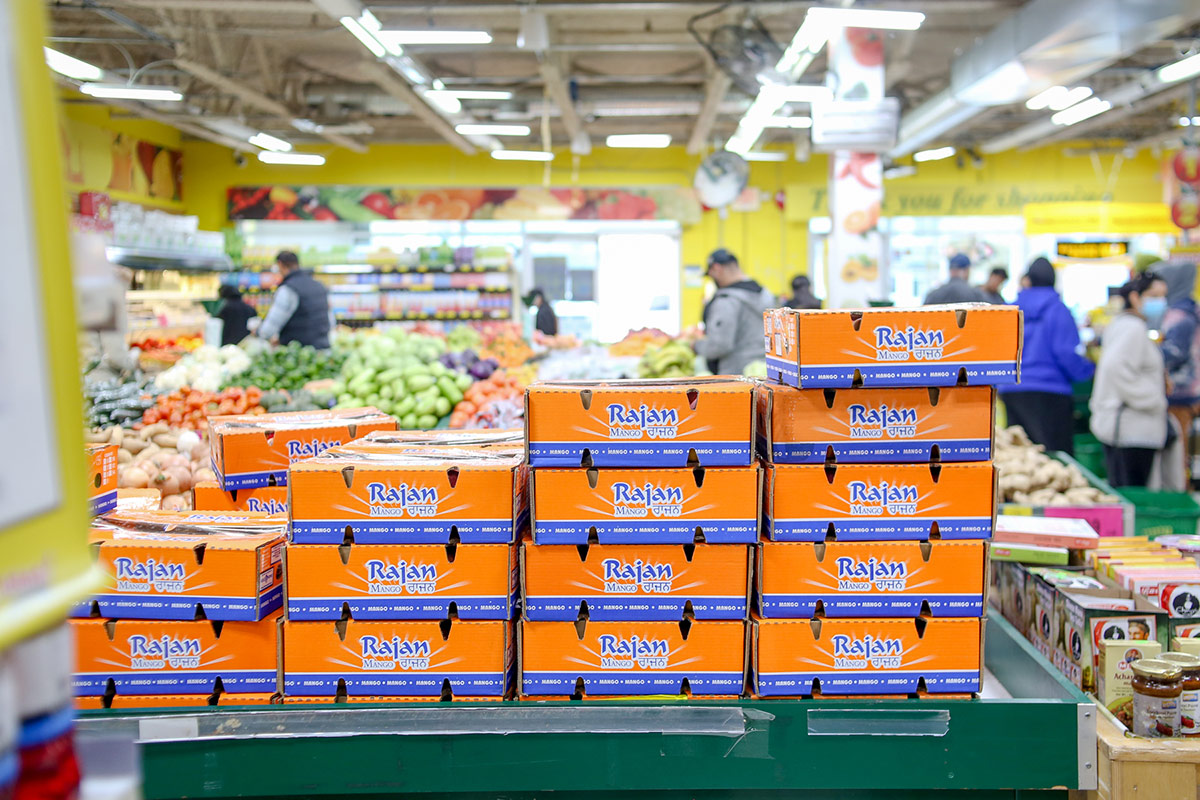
x,y
1144,769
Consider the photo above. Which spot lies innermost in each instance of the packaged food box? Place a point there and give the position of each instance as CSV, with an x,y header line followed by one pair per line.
x,y
434,496
139,500
1010,594
250,451
879,502
202,574
209,496
401,581
871,579
633,658
124,701
641,423
102,477
969,343
816,426
1073,534
1114,673
140,657
1031,554
409,658
1108,520
1185,644
617,582
1085,618
867,656
646,506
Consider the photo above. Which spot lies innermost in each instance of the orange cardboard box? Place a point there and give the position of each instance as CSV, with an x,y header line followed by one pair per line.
x,y
410,658
972,343
505,439
191,522
872,579
633,658
613,582
816,426
867,656
139,500
209,496
427,496
181,576
879,502
250,451
102,477
401,581
383,700
646,506
122,701
641,423
171,657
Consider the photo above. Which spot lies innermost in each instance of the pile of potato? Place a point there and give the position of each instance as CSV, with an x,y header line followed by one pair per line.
x,y
1030,477
158,457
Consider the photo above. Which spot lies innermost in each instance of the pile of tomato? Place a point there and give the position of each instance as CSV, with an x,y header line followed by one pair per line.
x,y
191,408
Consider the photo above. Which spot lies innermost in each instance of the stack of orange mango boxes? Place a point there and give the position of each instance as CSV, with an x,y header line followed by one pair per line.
x,y
880,497
401,571
645,510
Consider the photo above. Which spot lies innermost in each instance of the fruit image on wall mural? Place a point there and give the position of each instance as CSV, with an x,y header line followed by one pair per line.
x,y
144,168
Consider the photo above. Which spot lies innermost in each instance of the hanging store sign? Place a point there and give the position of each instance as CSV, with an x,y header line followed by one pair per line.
x,y
1088,250
370,204
1110,218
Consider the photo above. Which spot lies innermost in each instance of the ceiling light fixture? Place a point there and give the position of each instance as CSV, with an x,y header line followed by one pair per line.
x,y
365,36
434,37
788,122
268,142
298,159
1180,69
652,141
408,68
480,94
1081,111
905,171
121,91
484,129
764,156
1057,98
522,155
797,93
936,154
71,67
865,18
446,102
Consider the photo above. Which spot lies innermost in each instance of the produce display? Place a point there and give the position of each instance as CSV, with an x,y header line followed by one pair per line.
x,y
496,402
637,342
160,457
288,368
116,402
208,369
672,359
504,344
165,351
1030,477
190,408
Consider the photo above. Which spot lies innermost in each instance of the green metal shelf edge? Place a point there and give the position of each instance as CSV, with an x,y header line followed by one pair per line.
x,y
1037,741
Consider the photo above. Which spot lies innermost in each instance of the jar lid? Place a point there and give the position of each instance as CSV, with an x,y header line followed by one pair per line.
x,y
1183,660
1156,668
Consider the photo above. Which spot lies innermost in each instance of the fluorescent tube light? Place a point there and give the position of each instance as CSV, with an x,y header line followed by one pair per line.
x,y
408,68
891,173
434,37
1180,69
369,20
809,39
121,91
761,156
447,103
796,93
936,154
479,94
482,129
1081,111
866,18
522,155
1185,122
299,159
268,142
1070,98
640,140
788,122
365,36
71,67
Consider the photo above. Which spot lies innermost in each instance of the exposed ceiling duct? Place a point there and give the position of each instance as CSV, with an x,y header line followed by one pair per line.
x,y
1045,43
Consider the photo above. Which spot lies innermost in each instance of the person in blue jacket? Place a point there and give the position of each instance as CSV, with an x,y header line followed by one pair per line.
x,y
1050,363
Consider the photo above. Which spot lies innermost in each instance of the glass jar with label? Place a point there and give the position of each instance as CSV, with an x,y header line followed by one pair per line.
x,y
1157,687
1189,700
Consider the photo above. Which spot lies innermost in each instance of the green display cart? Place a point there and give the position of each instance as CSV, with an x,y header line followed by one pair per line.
x,y
1037,739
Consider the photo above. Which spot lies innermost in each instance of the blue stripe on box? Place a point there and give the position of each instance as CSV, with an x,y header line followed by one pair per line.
x,y
608,682
404,607
783,371
250,480
880,530
639,608
867,682
874,451
908,373
182,607
168,681
421,684
641,453
803,606
103,503
396,531
639,531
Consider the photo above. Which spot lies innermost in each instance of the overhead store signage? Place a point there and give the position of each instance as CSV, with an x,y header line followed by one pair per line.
x,y
370,204
1112,218
1093,249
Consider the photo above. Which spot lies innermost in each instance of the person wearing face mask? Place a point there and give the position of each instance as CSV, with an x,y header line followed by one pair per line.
x,y
1180,330
1129,398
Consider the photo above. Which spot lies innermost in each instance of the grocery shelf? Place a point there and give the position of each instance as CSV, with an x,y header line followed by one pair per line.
x,y
1043,738
439,315
146,258
384,269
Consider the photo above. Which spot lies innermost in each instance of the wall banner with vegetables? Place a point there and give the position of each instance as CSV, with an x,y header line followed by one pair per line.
x,y
368,204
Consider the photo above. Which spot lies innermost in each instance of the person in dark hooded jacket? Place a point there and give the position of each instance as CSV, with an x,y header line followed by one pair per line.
x,y
1181,345
1050,363
733,319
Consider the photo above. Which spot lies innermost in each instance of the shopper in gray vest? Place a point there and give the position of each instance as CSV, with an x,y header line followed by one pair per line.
x,y
300,309
956,290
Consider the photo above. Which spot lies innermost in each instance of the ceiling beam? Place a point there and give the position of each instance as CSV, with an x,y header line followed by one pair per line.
x,y
714,94
214,39
382,76
556,86
233,6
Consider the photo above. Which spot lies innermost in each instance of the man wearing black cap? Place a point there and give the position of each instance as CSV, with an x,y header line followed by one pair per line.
x,y
733,321
956,290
